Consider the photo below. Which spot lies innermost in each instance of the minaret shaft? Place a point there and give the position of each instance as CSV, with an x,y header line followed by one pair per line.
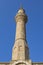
x,y
20,30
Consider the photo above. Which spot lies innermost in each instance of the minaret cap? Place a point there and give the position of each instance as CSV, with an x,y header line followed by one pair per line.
x,y
21,10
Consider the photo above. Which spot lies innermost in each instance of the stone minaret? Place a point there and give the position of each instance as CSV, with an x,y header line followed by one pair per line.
x,y
20,48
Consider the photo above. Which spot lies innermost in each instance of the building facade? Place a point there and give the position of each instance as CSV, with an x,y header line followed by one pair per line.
x,y
20,50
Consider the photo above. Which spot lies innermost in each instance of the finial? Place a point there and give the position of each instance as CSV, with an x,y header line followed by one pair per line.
x,y
21,6
21,9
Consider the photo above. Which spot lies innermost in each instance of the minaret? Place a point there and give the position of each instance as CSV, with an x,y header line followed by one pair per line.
x,y
20,48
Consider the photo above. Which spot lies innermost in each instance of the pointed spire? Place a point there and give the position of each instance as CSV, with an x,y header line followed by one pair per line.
x,y
21,6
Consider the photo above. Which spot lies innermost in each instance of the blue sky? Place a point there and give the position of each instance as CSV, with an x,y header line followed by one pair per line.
x,y
34,28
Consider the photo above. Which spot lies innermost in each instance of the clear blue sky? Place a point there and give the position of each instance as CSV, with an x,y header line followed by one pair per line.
x,y
34,11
